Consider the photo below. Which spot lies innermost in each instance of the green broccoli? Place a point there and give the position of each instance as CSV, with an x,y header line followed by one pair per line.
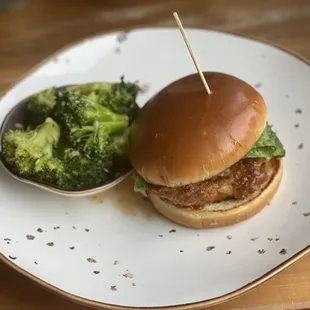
x,y
118,97
82,172
99,155
122,98
96,138
120,144
40,106
49,170
72,111
10,142
24,149
121,163
74,139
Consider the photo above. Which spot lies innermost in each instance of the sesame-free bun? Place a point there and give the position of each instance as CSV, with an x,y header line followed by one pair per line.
x,y
183,135
223,213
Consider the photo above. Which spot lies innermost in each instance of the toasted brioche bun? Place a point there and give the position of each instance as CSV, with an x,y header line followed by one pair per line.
x,y
225,213
183,135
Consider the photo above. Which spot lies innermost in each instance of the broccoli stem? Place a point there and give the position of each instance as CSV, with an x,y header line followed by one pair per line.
x,y
107,128
96,112
46,136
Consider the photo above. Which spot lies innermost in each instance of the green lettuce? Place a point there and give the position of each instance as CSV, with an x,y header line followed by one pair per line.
x,y
141,186
267,146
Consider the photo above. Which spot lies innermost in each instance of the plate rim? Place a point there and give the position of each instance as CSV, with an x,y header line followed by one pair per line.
x,y
189,306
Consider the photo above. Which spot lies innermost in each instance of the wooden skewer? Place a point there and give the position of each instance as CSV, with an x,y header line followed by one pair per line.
x,y
177,19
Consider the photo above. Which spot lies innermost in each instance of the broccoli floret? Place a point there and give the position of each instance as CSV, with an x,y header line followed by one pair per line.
x,y
82,172
96,88
23,149
96,138
98,156
118,97
49,170
121,163
9,144
120,144
40,106
122,98
71,112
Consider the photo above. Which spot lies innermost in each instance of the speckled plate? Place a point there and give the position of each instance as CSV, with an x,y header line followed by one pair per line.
x,y
113,250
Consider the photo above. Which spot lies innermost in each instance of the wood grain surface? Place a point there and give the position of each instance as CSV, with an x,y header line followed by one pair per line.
x,y
29,35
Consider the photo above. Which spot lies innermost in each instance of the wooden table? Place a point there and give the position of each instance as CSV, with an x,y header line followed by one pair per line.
x,y
30,34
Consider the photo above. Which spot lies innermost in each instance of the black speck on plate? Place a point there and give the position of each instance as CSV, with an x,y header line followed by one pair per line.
x,y
254,239
210,248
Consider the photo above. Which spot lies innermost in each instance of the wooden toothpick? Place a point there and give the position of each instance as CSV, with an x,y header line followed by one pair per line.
x,y
177,19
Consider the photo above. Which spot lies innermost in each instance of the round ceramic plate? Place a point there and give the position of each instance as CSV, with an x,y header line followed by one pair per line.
x,y
114,249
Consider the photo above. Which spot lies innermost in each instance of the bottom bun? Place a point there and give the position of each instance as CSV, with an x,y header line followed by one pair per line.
x,y
224,213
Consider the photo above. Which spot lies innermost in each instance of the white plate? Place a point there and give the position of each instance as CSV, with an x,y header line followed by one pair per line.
x,y
123,253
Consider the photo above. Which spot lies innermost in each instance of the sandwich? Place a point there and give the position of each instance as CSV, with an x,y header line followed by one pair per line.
x,y
206,160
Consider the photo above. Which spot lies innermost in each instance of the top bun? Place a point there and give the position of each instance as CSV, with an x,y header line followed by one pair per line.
x,y
183,135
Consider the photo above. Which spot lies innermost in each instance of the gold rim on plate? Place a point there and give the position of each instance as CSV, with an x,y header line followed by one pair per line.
x,y
190,306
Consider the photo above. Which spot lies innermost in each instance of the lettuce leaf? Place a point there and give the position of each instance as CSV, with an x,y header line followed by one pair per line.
x,y
267,146
141,186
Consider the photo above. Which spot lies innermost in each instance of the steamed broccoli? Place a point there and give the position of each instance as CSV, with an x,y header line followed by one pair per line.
x,y
118,97
24,150
49,170
9,144
40,106
96,138
82,172
120,144
75,139
72,111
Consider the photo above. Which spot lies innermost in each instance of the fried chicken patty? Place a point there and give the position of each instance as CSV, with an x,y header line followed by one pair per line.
x,y
244,178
